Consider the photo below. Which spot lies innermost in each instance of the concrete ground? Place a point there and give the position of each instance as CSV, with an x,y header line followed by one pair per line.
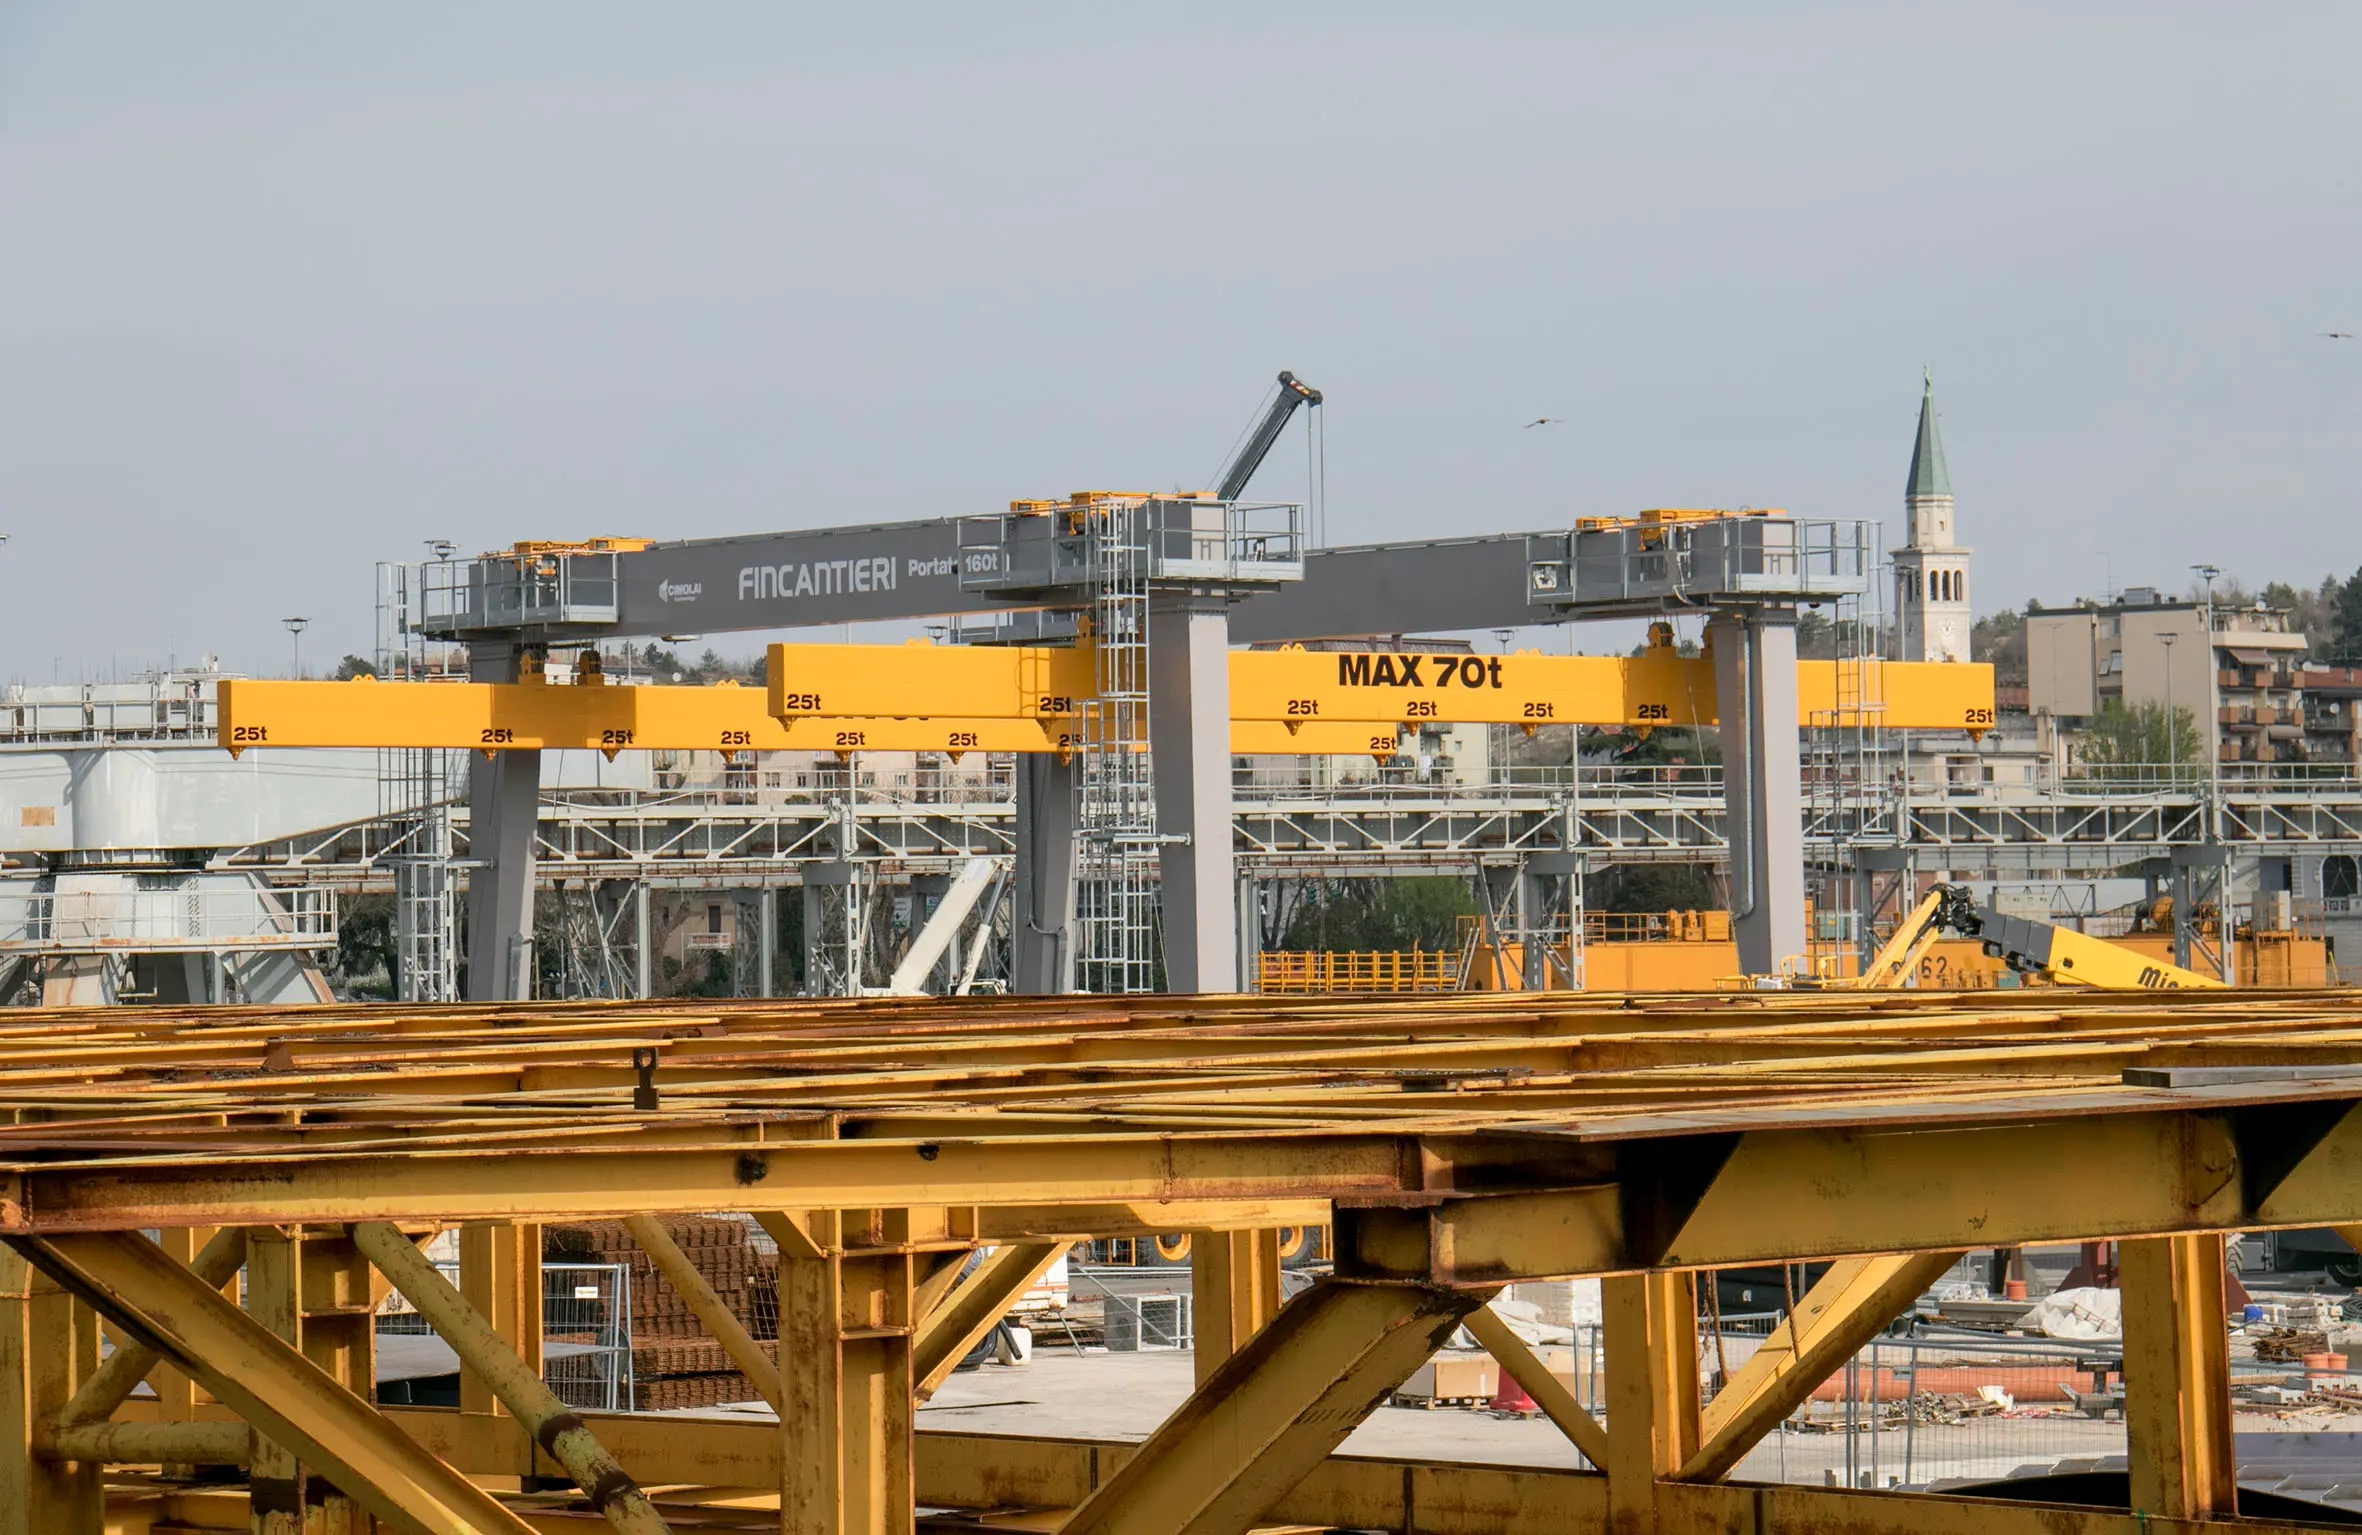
x,y
1125,1396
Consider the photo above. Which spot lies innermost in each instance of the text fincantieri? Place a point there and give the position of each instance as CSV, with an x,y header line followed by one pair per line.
x,y
818,578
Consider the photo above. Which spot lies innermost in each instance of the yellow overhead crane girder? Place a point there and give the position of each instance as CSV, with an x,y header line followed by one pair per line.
x,y
1295,687
514,716
921,697
948,681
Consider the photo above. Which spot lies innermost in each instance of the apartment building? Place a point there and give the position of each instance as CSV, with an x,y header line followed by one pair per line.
x,y
2236,670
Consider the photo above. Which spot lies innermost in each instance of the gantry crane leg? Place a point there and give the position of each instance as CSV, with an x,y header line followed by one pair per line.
x,y
1189,742
1763,797
504,801
1041,932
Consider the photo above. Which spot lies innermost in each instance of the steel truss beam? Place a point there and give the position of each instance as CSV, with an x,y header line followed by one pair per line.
x,y
1234,1292
553,1425
1853,1302
846,1458
1468,1143
960,1321
705,838
285,1396
2177,1376
1258,1425
1550,1394
1693,1201
1784,1195
713,1313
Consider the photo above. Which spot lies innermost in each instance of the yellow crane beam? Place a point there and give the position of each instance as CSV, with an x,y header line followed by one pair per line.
x,y
951,681
1659,688
922,697
515,716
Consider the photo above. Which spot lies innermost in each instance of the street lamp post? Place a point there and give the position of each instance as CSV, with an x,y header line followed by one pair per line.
x,y
295,629
2214,700
2172,746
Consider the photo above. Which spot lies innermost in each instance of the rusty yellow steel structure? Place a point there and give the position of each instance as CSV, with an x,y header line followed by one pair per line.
x,y
1456,1143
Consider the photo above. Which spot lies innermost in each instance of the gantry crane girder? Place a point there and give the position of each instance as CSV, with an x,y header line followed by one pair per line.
x,y
1215,572
1657,689
1295,687
497,717
1029,699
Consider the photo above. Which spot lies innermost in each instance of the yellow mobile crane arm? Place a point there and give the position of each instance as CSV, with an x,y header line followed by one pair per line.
x,y
2057,954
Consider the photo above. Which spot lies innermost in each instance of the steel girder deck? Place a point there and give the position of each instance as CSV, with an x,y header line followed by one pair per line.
x,y
1456,1143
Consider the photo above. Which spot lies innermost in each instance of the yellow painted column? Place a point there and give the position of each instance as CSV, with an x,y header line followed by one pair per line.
x,y
1234,1292
340,1294
1652,1391
500,1274
177,1395
847,1463
2177,1377
274,1300
37,1378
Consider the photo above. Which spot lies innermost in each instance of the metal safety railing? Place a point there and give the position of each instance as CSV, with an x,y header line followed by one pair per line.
x,y
586,1333
1406,970
1907,1411
154,921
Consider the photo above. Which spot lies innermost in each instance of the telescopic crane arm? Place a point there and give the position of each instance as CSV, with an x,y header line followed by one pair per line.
x,y
2057,954
1293,392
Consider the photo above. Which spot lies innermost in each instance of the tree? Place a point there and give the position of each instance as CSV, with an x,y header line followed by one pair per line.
x,y
1381,914
2134,745
1672,746
2229,592
2001,640
2345,621
1815,639
353,666
1652,887
365,944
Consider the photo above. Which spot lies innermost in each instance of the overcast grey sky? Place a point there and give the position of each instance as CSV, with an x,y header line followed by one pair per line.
x,y
287,288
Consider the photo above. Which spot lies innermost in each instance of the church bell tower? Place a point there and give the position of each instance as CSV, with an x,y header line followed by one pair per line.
x,y
1933,614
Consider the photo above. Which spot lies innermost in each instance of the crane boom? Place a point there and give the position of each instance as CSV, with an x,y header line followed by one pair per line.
x,y
2057,954
1293,392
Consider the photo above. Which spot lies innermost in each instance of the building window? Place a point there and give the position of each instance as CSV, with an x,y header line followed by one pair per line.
x,y
713,919
2339,880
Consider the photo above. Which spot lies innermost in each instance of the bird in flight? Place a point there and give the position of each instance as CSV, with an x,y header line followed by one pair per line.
x,y
2339,335
1545,421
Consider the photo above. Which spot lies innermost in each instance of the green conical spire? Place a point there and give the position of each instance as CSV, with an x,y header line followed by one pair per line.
x,y
1928,474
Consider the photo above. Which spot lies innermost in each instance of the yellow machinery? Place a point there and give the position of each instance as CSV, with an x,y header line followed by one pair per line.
x,y
1948,943
2056,954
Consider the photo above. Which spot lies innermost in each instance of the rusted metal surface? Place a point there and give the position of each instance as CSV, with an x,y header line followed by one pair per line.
x,y
122,1118
1459,1142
